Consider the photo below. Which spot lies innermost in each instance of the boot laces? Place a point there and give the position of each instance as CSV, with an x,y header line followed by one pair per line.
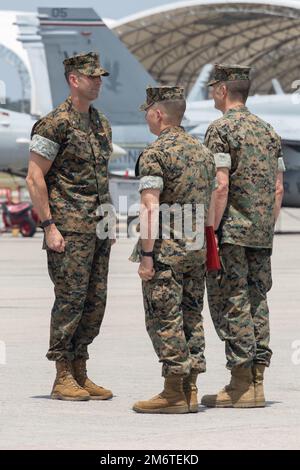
x,y
72,382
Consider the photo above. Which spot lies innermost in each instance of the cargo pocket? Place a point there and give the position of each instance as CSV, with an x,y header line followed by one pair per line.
x,y
161,292
56,266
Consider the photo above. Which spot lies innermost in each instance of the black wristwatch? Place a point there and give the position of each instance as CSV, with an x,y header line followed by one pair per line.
x,y
47,222
147,253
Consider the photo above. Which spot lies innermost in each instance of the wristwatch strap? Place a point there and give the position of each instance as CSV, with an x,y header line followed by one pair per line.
x,y
47,222
147,253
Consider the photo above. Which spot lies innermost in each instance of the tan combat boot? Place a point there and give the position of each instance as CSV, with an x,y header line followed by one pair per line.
x,y
190,389
170,400
80,374
238,394
65,387
258,379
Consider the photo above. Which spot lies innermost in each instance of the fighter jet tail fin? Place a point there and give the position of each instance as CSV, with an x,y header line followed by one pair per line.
x,y
28,35
69,31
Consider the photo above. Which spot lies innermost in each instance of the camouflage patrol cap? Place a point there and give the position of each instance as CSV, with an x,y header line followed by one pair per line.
x,y
87,64
228,73
162,93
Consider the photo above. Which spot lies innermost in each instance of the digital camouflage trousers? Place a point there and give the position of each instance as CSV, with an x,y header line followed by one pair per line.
x,y
237,298
80,285
173,302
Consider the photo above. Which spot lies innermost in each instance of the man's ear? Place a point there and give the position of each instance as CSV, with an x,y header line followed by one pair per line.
x,y
224,91
159,114
73,80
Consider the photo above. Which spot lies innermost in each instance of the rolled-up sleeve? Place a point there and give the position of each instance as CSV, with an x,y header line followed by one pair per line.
x,y
151,182
45,140
44,147
223,160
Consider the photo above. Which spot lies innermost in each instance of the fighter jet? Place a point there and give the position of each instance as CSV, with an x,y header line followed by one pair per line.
x,y
64,32
281,110
39,67
15,129
56,33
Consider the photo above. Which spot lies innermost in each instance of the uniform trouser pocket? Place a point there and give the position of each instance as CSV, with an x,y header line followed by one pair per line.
x,y
235,324
164,321
259,284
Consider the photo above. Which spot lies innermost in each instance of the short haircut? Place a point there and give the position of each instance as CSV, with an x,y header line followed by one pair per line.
x,y
174,110
67,74
238,89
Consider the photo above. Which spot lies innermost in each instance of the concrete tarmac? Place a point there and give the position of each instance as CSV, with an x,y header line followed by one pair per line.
x,y
122,358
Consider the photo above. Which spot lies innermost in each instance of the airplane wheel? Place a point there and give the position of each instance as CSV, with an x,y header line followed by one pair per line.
x,y
28,228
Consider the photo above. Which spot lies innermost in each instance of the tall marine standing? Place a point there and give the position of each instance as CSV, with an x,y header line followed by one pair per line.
x,y
250,167
68,180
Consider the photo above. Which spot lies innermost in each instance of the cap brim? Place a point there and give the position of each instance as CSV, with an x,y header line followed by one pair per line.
x,y
145,106
212,82
98,72
104,73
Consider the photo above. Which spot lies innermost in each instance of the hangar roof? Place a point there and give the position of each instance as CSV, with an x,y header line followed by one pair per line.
x,y
175,41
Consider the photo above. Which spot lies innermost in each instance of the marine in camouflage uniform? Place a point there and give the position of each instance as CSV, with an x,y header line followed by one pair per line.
x,y
183,170
79,144
251,151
